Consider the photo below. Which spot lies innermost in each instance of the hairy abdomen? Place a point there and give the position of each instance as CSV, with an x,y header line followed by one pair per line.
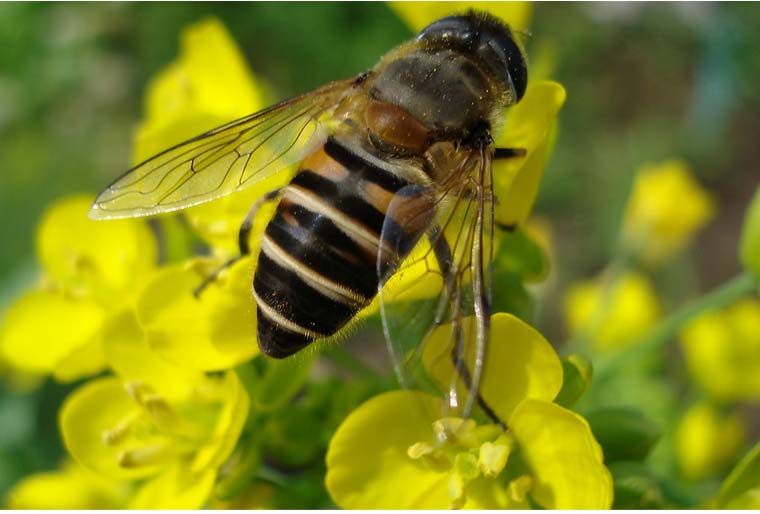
x,y
318,264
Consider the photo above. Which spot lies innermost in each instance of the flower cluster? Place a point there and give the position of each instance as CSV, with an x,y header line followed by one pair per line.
x,y
89,270
158,428
665,209
618,319
170,404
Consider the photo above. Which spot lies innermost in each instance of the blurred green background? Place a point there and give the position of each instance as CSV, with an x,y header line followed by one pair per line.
x,y
645,82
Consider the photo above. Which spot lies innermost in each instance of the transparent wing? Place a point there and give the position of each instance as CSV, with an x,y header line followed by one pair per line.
x,y
436,307
225,159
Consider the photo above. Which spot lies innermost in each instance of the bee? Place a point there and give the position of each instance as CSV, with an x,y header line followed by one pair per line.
x,y
394,161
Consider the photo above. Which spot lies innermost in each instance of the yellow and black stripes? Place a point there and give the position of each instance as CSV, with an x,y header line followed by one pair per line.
x,y
318,261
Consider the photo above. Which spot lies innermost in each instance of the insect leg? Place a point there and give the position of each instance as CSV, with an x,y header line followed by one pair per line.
x,y
443,254
508,153
247,225
506,227
243,237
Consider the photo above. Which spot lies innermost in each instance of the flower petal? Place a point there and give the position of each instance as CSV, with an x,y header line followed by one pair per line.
x,y
83,361
722,351
666,208
565,459
701,425
100,259
529,125
212,332
209,84
129,355
38,347
177,488
367,462
613,315
521,364
90,412
229,424
71,488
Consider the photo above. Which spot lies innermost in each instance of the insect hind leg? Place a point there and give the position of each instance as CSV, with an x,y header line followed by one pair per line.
x,y
443,254
457,357
243,239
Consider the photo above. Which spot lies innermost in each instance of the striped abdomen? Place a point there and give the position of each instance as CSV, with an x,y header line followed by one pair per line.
x,y
318,261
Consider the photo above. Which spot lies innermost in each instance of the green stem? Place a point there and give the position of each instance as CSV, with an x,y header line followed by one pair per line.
x,y
741,285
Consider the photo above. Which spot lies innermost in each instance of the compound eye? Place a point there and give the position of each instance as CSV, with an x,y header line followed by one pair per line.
x,y
453,28
514,60
518,70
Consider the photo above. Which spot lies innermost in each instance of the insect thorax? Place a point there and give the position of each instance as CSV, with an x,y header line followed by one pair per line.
x,y
445,91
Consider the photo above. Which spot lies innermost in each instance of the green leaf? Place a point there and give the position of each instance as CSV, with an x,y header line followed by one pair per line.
x,y
623,432
741,490
520,255
635,487
577,372
282,380
510,295
294,437
749,247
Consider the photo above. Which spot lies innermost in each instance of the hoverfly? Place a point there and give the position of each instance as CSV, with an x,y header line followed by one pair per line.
x,y
393,171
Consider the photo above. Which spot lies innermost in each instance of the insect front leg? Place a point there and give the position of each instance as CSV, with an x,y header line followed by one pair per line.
x,y
244,235
509,153
506,227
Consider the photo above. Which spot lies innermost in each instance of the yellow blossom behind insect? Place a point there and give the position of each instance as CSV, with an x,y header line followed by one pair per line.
x,y
612,312
666,208
90,270
722,351
707,439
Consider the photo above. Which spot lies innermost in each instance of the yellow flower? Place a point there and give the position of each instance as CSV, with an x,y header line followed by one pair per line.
x,y
521,364
90,268
706,441
167,426
216,330
209,84
722,351
400,450
531,124
73,487
539,229
129,431
666,208
612,315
